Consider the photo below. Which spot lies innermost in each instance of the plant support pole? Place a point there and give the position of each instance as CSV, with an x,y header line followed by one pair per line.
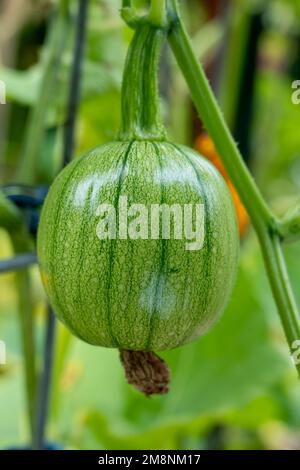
x,y
21,261
75,79
45,383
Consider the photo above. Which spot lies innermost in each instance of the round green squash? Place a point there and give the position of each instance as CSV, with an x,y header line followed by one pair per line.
x,y
138,287
137,294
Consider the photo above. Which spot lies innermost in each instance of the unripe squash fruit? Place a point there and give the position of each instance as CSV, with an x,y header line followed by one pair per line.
x,y
137,294
151,291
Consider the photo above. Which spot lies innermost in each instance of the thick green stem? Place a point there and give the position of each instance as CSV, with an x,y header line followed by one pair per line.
x,y
157,14
283,295
141,118
263,220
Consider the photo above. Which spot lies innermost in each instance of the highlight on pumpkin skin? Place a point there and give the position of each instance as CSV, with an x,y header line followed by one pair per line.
x,y
206,147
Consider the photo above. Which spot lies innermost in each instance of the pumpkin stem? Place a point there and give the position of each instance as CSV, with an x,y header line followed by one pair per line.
x,y
147,372
141,119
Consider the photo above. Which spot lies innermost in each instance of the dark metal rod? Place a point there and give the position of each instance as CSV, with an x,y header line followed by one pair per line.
x,y
17,262
45,382
75,80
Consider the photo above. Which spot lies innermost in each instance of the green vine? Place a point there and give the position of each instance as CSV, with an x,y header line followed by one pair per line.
x,y
37,120
158,12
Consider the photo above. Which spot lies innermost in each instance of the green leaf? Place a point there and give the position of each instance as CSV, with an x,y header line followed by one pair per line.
x,y
21,86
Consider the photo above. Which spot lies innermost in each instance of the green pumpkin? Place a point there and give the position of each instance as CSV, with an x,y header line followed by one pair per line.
x,y
139,294
148,293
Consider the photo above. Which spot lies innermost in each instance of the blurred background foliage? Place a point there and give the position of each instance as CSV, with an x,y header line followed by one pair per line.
x,y
236,388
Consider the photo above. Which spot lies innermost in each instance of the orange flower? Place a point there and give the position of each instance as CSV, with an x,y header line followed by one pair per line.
x,y
206,147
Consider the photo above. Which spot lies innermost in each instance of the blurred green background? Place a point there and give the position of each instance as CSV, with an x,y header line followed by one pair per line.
x,y
236,388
